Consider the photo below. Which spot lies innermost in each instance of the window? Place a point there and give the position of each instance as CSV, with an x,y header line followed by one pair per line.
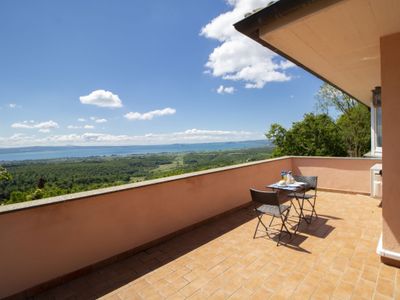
x,y
376,130
378,126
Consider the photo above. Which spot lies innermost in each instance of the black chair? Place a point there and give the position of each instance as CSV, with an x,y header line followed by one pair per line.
x,y
271,206
311,185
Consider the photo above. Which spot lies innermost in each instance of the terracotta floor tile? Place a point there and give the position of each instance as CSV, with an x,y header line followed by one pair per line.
x,y
175,285
324,288
387,272
176,296
378,296
351,275
370,273
113,297
343,291
241,293
149,293
334,256
199,295
192,287
364,289
385,287
274,282
304,291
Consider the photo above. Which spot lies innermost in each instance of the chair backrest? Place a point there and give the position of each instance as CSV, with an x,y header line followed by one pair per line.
x,y
311,181
265,197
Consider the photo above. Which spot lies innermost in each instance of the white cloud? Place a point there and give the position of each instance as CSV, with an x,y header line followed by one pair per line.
x,y
239,58
187,136
226,89
81,120
41,126
133,116
98,120
101,98
12,105
80,127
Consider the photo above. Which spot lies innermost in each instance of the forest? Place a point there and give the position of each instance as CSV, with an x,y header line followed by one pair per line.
x,y
36,179
346,133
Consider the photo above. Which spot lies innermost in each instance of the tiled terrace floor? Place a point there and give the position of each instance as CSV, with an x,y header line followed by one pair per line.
x,y
334,257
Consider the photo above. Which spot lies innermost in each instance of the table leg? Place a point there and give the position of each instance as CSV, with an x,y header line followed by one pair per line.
x,y
301,209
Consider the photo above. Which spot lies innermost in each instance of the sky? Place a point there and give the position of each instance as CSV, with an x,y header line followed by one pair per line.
x,y
124,72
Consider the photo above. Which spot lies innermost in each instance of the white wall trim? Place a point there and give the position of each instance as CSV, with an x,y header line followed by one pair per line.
x,y
386,253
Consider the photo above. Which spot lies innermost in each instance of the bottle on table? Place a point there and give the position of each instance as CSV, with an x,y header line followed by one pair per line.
x,y
283,178
289,178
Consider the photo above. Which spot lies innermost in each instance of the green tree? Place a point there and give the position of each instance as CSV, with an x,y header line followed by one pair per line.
x,y
354,121
356,131
277,135
4,175
16,197
330,97
315,135
37,194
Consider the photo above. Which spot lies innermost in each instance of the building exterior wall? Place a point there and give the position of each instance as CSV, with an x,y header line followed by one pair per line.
x,y
390,77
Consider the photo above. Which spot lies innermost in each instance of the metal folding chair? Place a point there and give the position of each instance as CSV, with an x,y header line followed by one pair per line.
x,y
311,185
271,206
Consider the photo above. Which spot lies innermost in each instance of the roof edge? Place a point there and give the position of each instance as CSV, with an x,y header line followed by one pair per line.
x,y
274,14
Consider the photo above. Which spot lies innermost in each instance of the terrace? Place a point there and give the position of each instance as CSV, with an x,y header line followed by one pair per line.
x,y
192,235
333,257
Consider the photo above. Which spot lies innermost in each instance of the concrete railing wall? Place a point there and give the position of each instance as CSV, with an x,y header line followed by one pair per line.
x,y
337,174
45,239
40,243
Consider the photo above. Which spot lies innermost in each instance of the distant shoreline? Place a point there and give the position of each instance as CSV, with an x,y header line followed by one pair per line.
x,y
65,152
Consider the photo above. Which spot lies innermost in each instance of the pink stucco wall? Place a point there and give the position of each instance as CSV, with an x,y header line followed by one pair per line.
x,y
41,243
390,78
337,174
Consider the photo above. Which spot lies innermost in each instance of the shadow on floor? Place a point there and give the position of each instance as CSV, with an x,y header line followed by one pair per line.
x,y
293,242
330,217
109,278
317,228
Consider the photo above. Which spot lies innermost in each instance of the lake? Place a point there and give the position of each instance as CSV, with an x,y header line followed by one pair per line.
x,y
35,153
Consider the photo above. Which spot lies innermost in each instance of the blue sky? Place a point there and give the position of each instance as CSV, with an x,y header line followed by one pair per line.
x,y
140,72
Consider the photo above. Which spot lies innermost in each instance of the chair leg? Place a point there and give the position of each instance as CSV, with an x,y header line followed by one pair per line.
x,y
302,210
273,217
284,219
313,207
258,223
259,216
262,223
313,211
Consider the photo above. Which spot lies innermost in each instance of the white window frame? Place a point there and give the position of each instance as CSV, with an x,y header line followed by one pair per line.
x,y
375,150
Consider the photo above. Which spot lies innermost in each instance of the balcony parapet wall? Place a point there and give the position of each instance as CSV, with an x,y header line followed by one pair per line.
x,y
47,239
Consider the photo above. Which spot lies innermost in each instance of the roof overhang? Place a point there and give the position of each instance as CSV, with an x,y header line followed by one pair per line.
x,y
336,40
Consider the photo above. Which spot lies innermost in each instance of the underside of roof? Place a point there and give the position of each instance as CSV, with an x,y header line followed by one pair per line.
x,y
336,40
